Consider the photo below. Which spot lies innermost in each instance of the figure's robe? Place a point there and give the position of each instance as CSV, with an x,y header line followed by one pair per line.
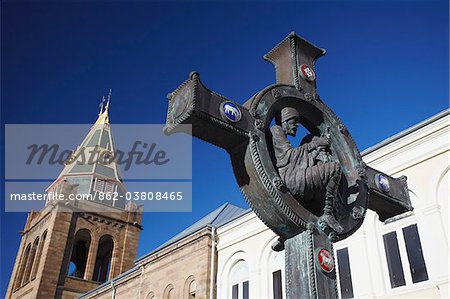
x,y
303,175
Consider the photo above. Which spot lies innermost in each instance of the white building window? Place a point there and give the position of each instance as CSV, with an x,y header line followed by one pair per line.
x,y
192,289
344,273
239,281
277,285
276,272
404,256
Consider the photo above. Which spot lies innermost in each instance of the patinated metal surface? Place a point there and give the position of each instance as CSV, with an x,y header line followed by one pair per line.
x,y
304,277
244,132
251,152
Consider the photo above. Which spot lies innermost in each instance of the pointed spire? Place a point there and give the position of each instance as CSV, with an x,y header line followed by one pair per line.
x,y
103,117
105,174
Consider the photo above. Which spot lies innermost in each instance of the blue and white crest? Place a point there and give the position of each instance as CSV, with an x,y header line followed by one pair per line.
x,y
230,111
382,182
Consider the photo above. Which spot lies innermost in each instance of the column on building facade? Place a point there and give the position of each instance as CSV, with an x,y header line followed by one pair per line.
x,y
375,254
38,257
359,251
116,264
90,264
430,220
31,261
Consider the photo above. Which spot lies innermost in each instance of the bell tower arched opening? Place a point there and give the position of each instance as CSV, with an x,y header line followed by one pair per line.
x,y
80,251
103,259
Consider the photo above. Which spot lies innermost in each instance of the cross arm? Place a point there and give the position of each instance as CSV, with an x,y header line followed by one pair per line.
x,y
193,104
388,196
294,59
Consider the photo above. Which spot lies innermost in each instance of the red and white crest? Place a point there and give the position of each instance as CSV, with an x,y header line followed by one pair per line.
x,y
325,260
307,73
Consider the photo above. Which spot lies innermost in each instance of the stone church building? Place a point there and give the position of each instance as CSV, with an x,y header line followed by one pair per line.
x,y
68,252
69,249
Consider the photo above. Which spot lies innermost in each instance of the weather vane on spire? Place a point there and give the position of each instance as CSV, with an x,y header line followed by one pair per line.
x,y
101,105
104,104
108,98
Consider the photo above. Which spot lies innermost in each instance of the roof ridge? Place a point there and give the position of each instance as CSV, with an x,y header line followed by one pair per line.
x,y
440,115
222,208
195,227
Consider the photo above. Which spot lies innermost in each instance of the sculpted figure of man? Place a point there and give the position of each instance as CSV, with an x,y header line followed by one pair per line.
x,y
308,171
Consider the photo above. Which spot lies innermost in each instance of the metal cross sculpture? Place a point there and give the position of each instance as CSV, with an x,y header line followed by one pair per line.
x,y
311,194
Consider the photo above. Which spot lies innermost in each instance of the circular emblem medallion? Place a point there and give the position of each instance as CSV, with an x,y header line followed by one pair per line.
x,y
307,73
181,104
325,260
382,182
230,112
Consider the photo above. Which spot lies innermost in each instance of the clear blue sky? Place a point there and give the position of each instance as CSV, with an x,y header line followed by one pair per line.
x,y
386,69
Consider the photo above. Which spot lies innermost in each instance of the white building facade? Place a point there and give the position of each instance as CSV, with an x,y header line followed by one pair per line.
x,y
405,257
247,266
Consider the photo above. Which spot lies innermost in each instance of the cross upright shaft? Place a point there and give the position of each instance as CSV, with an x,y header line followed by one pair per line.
x,y
289,56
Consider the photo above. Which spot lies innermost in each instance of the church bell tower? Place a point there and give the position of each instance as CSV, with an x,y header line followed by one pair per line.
x,y
69,248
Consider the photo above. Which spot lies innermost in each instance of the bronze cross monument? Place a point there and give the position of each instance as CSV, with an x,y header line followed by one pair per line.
x,y
310,194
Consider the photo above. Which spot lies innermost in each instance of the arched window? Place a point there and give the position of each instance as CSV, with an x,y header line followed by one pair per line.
x,y
22,267
442,196
150,295
190,288
103,260
239,278
30,262
169,292
80,252
38,256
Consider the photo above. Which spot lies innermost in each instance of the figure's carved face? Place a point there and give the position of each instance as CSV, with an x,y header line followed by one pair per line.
x,y
290,126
